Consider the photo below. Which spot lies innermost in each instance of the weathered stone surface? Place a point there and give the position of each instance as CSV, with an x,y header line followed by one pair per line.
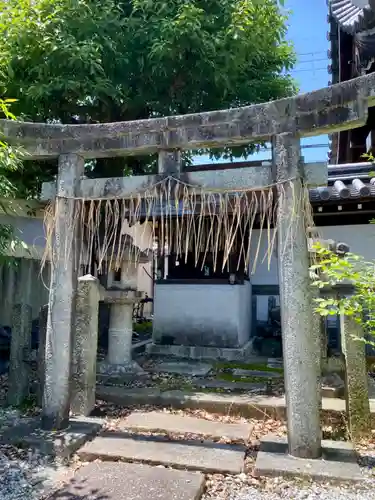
x,y
119,359
157,421
120,481
20,350
278,464
169,162
61,443
227,385
43,315
183,368
62,297
329,109
301,342
85,346
256,373
122,187
189,455
342,451
357,400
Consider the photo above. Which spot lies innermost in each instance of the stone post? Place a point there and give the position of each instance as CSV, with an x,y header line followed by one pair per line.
x,y
20,349
357,398
62,297
43,316
301,343
85,346
169,162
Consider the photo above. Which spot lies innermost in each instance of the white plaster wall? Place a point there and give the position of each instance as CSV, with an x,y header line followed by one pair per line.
x,y
203,314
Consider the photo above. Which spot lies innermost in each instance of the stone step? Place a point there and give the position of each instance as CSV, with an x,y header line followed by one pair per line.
x,y
189,368
121,481
239,372
228,385
249,406
183,424
189,455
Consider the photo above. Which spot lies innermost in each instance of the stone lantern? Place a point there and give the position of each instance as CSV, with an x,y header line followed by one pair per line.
x,y
121,294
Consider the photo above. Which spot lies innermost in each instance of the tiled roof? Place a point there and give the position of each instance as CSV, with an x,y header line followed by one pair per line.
x,y
352,15
346,182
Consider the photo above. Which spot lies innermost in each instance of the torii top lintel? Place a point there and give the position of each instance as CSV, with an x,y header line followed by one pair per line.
x,y
338,107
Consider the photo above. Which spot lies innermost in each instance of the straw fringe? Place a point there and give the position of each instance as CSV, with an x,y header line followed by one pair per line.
x,y
208,222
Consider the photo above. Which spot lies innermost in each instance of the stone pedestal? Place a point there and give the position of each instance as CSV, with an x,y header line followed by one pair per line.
x,y
119,359
85,346
301,342
62,296
357,397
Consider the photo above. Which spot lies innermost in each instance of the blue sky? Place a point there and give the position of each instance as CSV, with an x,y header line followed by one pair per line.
x,y
308,29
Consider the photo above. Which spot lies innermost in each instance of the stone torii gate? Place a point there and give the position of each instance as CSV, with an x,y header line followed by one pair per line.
x,y
339,107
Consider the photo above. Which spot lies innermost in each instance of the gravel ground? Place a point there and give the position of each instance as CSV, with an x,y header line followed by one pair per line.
x,y
246,487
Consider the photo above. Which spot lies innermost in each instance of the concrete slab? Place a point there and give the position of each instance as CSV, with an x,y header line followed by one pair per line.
x,y
342,451
167,422
183,368
249,387
54,443
279,464
256,373
121,481
190,455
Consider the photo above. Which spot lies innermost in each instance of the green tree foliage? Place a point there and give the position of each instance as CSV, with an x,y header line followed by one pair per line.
x,y
9,164
88,61
331,270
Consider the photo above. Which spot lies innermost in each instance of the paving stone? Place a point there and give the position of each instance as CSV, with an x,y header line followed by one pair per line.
x,y
157,421
54,443
121,481
342,451
183,368
279,464
256,373
227,385
190,455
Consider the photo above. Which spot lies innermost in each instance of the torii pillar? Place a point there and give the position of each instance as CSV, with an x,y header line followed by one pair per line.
x,y
62,297
301,341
